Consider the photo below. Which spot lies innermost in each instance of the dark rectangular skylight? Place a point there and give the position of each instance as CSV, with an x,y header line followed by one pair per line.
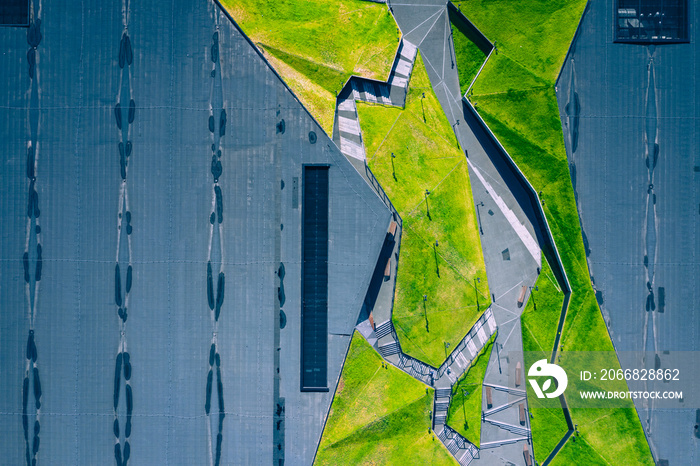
x,y
314,308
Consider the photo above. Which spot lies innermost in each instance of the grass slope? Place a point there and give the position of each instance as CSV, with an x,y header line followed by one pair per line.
x,y
541,315
427,157
379,416
535,34
539,322
468,56
466,398
515,96
322,42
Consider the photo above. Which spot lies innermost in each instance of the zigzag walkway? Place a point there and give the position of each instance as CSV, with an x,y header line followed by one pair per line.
x,y
463,451
389,347
348,137
346,133
386,342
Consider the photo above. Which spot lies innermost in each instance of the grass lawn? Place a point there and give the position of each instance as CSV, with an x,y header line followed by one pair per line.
x,y
468,56
470,385
515,95
577,451
316,45
614,434
614,428
379,416
541,315
427,157
539,322
535,34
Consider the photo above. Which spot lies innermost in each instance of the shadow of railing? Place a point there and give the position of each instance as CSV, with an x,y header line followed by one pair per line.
x,y
528,199
449,434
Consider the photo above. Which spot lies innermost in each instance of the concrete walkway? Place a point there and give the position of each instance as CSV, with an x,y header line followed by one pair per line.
x,y
382,336
346,127
511,243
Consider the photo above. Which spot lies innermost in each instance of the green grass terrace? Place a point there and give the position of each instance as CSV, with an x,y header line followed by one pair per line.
x,y
441,287
515,96
464,414
468,56
380,415
316,45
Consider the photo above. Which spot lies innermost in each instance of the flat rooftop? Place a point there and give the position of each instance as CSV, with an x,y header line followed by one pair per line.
x,y
156,137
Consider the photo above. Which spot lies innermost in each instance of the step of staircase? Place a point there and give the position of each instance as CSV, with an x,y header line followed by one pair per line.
x,y
498,443
390,349
500,408
384,329
519,430
443,393
514,391
442,406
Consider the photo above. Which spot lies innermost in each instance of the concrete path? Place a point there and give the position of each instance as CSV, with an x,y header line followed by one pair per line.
x,y
346,127
511,247
511,240
380,333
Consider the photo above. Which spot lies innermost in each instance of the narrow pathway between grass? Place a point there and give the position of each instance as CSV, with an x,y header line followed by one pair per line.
x,y
512,255
348,136
511,248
